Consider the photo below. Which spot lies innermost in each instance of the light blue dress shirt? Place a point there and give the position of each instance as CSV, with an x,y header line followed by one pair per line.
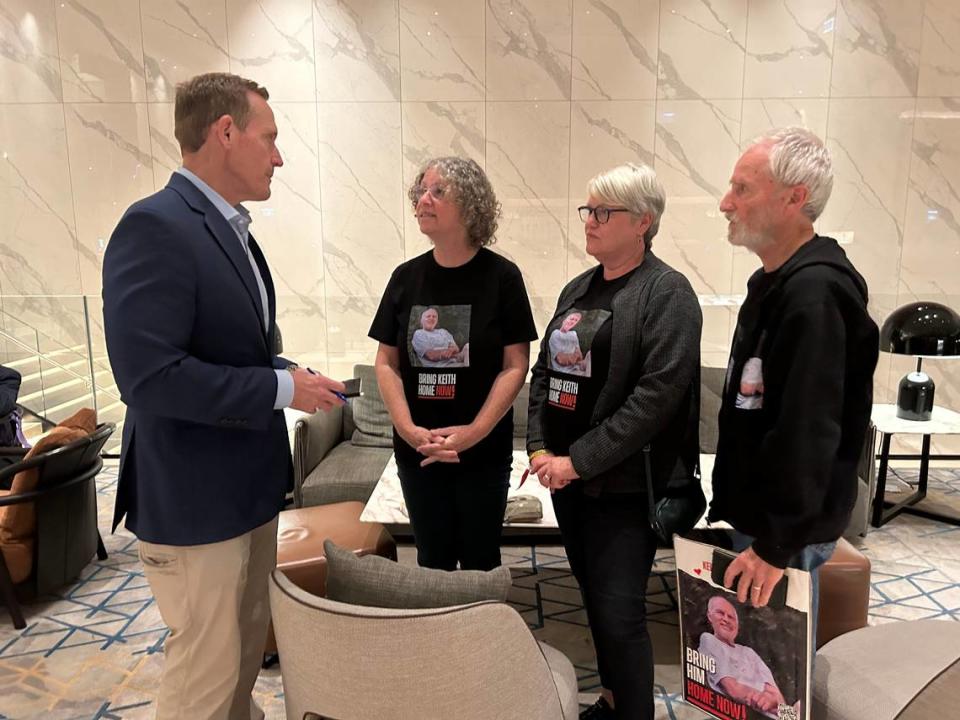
x,y
240,220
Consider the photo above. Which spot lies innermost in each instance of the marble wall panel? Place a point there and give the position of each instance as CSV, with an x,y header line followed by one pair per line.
x,y
930,263
877,49
528,45
702,48
940,49
442,50
762,115
38,237
289,228
164,148
528,164
865,211
271,42
29,65
357,49
101,51
110,168
615,49
603,135
789,48
360,181
180,41
697,146
435,129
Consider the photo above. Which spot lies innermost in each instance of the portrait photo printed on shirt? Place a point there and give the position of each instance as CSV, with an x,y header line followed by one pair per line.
x,y
740,662
438,336
570,339
750,392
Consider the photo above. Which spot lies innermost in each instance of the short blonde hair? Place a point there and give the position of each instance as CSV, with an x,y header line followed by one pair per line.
x,y
634,186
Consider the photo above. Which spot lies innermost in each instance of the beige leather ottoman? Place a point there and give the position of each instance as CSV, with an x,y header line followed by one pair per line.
x,y
300,536
844,593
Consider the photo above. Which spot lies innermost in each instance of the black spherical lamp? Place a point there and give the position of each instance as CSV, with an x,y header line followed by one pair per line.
x,y
923,329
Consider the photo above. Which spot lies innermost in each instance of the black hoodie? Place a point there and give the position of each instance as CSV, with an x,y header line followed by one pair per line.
x,y
793,421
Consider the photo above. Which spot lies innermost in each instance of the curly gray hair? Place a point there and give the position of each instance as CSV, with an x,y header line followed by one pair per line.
x,y
472,193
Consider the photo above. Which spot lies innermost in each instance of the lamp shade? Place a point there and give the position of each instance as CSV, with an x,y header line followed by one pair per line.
x,y
921,328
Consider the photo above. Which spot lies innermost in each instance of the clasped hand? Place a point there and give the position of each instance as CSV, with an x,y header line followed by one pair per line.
x,y
441,444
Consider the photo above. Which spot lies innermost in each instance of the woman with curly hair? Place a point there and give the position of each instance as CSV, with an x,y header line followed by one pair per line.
x,y
453,421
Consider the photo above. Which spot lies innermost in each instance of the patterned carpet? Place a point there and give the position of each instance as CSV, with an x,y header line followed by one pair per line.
x,y
95,650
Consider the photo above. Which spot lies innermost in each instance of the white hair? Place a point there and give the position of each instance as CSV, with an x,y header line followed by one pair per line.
x,y
635,187
798,157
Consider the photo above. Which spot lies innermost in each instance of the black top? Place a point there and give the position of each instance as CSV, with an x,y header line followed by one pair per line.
x,y
451,326
796,403
578,342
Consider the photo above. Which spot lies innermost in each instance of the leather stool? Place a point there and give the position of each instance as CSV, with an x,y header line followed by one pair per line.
x,y
844,593
300,536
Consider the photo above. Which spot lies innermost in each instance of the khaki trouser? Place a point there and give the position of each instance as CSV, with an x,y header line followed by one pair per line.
x,y
214,600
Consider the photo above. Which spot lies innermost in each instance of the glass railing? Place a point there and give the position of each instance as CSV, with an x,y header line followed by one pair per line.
x,y
56,344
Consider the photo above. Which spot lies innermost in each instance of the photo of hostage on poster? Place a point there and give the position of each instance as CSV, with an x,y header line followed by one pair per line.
x,y
740,662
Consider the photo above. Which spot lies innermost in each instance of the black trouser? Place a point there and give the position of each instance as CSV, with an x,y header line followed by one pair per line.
x,y
456,513
611,548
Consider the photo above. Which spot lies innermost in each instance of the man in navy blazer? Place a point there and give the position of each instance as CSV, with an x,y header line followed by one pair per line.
x,y
189,313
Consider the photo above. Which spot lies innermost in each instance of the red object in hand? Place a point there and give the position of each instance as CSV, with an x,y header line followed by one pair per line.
x,y
523,478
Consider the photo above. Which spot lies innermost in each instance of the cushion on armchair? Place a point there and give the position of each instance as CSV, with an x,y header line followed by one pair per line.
x,y
18,522
370,415
378,582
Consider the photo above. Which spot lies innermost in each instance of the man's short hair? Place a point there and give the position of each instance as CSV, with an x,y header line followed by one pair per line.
x,y
798,157
635,187
203,99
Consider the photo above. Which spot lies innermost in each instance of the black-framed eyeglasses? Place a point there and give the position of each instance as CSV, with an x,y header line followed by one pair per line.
x,y
437,191
602,214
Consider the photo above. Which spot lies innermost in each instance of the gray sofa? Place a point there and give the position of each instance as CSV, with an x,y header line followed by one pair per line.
x,y
340,455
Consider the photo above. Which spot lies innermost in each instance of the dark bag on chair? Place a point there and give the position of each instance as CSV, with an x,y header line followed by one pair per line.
x,y
681,506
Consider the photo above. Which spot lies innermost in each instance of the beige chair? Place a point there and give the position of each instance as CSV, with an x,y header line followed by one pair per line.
x,y
477,661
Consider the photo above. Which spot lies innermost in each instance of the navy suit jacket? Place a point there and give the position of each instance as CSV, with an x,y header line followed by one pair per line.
x,y
205,456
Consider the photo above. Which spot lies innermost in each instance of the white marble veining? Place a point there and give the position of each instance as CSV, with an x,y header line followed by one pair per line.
x,y
615,49
865,211
110,167
101,51
940,49
442,50
272,41
528,49
789,48
701,49
38,237
357,50
877,48
181,40
29,66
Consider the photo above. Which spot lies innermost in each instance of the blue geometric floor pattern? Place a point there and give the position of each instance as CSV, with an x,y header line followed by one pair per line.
x,y
95,649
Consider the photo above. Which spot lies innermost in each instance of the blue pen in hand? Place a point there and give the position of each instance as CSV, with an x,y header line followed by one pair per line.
x,y
338,394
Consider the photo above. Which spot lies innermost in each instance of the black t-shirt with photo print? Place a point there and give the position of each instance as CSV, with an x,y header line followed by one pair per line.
x,y
451,326
579,343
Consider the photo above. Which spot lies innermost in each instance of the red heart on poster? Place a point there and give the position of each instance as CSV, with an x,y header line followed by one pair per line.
x,y
697,570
